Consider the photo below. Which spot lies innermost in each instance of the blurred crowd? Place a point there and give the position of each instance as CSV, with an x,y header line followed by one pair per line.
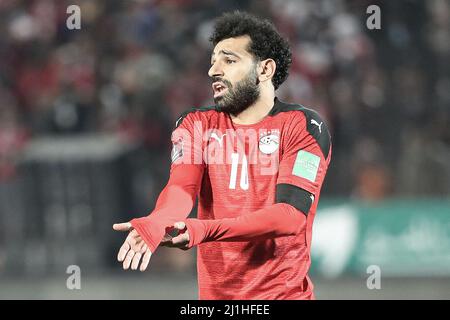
x,y
134,66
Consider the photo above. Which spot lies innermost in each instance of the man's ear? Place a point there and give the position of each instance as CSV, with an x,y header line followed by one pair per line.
x,y
266,69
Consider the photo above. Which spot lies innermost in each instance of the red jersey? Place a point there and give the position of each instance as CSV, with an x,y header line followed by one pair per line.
x,y
246,168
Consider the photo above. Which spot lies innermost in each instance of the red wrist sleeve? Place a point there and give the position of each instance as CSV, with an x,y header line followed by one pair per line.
x,y
278,220
151,230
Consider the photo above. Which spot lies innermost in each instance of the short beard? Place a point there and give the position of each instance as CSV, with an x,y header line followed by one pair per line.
x,y
245,93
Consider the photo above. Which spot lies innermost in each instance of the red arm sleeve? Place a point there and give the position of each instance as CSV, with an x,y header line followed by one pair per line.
x,y
174,203
277,220
177,199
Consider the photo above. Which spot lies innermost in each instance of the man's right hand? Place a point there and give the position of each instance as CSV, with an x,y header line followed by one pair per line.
x,y
132,249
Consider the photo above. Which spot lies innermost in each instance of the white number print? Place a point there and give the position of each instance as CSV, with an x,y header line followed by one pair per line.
x,y
234,170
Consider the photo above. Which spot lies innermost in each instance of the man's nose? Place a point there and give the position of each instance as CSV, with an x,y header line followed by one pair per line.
x,y
215,71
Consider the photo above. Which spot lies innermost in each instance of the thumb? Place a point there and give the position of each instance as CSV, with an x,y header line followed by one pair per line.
x,y
179,225
126,226
181,239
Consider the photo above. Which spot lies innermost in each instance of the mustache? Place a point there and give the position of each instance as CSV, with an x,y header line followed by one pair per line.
x,y
225,82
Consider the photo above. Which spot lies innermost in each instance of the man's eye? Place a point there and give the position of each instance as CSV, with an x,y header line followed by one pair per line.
x,y
230,61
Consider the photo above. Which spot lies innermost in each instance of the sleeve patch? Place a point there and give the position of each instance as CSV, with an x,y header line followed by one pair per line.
x,y
306,165
177,150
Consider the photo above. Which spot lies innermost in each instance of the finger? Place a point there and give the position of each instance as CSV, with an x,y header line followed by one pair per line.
x,y
167,243
164,243
128,258
144,248
146,259
180,240
179,225
126,226
127,245
136,260
167,240
123,251
166,237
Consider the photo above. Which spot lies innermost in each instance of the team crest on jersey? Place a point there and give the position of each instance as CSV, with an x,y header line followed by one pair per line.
x,y
177,150
269,142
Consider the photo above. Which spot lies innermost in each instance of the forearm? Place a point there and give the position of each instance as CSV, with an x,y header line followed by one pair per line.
x,y
174,203
275,221
178,197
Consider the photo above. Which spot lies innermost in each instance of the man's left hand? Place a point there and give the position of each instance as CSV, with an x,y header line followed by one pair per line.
x,y
180,240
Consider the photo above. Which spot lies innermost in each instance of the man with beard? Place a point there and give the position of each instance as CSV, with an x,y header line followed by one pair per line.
x,y
253,230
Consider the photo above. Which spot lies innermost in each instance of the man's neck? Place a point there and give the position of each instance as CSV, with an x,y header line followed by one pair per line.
x,y
257,111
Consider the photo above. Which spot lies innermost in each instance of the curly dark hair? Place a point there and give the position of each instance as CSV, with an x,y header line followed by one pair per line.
x,y
265,42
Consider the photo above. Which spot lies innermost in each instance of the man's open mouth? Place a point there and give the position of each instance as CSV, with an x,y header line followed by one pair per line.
x,y
219,89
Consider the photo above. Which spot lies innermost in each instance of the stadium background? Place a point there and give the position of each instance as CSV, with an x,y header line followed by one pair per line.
x,y
86,116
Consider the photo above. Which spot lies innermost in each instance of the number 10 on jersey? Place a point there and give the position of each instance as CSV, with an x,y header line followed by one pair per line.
x,y
234,171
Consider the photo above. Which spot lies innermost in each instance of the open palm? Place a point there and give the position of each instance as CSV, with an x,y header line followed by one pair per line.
x,y
133,249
